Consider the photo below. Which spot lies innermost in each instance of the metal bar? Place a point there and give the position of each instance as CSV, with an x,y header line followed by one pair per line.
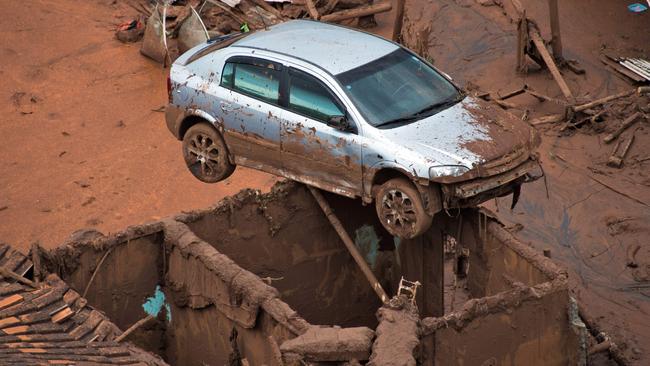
x,y
635,69
327,210
641,62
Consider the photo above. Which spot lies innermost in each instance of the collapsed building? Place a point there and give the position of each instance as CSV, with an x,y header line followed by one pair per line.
x,y
263,279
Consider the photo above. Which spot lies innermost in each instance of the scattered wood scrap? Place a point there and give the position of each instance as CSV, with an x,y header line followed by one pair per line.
x,y
618,155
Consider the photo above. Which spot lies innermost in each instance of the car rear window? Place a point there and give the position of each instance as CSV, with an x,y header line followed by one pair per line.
x,y
256,78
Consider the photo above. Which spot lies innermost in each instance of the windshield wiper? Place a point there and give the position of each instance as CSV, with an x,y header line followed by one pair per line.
x,y
422,112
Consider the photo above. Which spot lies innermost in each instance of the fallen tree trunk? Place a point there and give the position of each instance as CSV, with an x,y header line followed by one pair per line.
x,y
357,12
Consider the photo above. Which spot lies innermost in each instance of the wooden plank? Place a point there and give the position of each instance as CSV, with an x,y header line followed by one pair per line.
x,y
311,8
604,100
33,350
14,261
268,7
357,12
399,21
541,47
4,248
522,42
556,40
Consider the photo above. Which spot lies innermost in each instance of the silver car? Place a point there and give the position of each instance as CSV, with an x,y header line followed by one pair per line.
x,y
347,112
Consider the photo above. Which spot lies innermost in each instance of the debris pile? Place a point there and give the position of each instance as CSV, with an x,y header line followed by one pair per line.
x,y
174,27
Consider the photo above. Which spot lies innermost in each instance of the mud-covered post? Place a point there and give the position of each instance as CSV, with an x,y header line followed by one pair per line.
x,y
399,21
397,334
556,40
422,259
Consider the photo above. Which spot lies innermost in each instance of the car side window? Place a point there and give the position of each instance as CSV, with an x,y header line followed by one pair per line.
x,y
227,75
309,97
255,79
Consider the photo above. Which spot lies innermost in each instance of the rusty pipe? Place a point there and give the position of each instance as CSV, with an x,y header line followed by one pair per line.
x,y
327,210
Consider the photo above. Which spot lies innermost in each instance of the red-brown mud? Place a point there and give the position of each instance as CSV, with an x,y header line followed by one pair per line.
x,y
84,141
84,145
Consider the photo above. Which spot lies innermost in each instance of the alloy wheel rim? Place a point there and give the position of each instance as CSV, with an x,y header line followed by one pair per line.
x,y
398,209
206,154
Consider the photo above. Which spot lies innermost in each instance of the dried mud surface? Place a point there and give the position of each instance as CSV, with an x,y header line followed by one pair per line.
x,y
83,144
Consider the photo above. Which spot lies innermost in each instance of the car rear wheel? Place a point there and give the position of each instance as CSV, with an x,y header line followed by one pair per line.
x,y
206,154
400,209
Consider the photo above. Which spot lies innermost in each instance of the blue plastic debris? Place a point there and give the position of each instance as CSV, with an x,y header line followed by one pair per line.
x,y
154,304
637,8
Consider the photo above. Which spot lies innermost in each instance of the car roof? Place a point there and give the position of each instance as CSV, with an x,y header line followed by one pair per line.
x,y
334,48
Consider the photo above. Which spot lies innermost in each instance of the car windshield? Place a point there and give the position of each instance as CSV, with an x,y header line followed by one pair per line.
x,y
397,88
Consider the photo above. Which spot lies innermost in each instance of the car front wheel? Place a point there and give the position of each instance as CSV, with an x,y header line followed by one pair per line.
x,y
400,209
206,154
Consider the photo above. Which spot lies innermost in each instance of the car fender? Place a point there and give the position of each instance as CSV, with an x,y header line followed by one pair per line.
x,y
430,192
217,122
370,173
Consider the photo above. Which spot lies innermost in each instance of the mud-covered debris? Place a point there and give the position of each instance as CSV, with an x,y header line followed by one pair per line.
x,y
329,344
131,31
397,334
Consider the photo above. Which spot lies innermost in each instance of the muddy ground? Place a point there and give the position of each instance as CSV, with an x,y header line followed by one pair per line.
x,y
84,144
595,217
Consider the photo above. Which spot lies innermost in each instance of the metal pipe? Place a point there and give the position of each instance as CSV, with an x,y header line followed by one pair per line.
x,y
361,262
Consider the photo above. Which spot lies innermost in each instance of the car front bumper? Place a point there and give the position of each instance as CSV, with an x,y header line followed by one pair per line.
x,y
479,190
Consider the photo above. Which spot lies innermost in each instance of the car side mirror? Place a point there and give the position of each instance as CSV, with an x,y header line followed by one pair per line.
x,y
339,122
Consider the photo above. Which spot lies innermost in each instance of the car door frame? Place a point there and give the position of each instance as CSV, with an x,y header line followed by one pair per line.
x,y
327,81
248,147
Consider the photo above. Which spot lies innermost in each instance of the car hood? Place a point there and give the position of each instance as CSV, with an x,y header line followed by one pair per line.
x,y
469,133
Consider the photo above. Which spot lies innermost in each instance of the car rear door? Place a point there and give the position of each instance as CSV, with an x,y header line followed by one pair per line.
x,y
313,151
250,108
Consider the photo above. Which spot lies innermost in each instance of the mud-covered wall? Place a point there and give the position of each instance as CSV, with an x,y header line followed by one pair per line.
x,y
221,312
510,261
284,236
216,307
520,311
524,326
496,258
208,309
127,267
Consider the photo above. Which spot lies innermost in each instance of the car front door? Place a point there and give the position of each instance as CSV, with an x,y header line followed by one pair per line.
x,y
314,151
250,108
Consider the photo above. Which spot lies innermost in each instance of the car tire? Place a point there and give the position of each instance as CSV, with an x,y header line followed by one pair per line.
x,y
400,209
206,154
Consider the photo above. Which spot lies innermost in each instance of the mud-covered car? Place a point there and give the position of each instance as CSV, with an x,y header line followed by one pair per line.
x,y
347,112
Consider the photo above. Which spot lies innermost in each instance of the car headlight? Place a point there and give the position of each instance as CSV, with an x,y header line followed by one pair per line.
x,y
447,171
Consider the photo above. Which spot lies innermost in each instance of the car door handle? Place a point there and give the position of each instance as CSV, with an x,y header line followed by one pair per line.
x,y
226,107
